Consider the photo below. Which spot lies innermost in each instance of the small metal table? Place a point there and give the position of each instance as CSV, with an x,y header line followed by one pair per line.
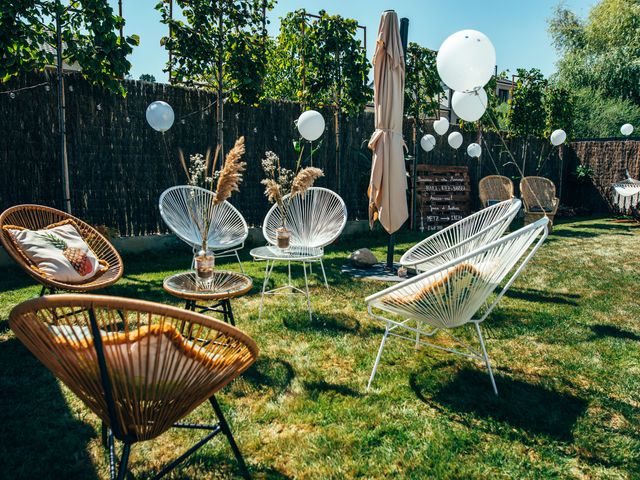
x,y
273,254
221,288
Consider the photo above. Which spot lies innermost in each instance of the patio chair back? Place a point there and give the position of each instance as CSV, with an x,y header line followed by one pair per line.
x,y
495,188
36,217
315,219
462,237
538,193
184,209
450,295
139,366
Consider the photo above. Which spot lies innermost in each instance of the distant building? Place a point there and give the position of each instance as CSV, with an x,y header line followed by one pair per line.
x,y
73,67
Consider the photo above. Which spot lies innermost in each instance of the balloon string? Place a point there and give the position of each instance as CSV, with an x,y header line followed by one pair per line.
x,y
166,151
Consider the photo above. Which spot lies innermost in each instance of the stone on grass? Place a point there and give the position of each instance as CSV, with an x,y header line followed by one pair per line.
x,y
363,257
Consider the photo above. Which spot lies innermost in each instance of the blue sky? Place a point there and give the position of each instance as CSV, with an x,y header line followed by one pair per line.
x,y
517,28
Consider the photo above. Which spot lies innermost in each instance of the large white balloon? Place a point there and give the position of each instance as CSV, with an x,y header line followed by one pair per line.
x,y
441,126
626,129
428,142
558,137
466,60
160,116
469,106
474,150
455,140
311,125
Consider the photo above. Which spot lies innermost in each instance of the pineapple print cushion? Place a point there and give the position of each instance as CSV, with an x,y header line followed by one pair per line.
x,y
58,252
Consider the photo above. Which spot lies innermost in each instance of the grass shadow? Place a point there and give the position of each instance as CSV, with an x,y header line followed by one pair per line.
x,y
602,331
540,296
39,436
531,408
265,374
323,322
321,387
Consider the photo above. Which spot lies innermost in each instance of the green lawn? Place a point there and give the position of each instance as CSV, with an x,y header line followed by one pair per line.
x,y
565,343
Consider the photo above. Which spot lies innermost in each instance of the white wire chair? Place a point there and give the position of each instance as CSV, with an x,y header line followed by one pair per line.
x,y
183,208
452,294
462,237
315,220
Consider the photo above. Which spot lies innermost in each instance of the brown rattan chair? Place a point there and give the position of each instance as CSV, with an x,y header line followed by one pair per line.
x,y
539,199
35,217
139,366
495,189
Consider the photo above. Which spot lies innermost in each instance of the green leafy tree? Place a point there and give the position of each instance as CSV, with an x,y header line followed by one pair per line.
x,y
147,77
559,109
88,32
600,53
599,116
527,115
422,83
220,45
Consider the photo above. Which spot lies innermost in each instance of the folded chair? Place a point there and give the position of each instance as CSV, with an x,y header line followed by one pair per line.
x,y
462,237
539,198
494,189
36,217
316,219
184,208
455,294
139,366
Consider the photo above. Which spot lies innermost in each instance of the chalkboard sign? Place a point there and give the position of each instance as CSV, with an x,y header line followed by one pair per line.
x,y
443,196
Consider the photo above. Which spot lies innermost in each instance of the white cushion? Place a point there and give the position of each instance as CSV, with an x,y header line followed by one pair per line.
x,y
51,260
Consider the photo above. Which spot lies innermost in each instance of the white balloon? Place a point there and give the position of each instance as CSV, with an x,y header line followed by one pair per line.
x,y
469,106
558,137
428,142
474,150
455,140
160,116
441,126
626,129
311,125
466,60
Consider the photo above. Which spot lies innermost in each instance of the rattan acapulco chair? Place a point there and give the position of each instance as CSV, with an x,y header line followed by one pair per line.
x,y
494,189
35,217
462,237
455,294
539,199
184,207
139,366
316,219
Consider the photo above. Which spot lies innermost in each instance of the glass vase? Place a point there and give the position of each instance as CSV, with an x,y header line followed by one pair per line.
x,y
283,238
205,263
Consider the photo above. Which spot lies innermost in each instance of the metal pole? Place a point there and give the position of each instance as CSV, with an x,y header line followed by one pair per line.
x,y
66,193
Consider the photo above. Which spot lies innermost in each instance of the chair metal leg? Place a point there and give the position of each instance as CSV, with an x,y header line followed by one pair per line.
x,y
124,462
418,326
239,261
324,275
486,359
224,426
306,286
375,364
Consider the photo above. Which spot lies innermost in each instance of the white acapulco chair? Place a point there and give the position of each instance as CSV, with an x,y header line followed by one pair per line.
x,y
315,220
462,237
184,207
455,294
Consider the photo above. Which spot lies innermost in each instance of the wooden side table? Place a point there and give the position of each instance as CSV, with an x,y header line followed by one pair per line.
x,y
220,289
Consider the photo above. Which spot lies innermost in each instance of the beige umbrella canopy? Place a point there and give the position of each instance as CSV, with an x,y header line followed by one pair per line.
x,y
388,184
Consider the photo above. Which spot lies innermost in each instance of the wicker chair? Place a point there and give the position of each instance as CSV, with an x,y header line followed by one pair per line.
x,y
139,366
315,220
35,217
181,207
539,198
495,188
455,294
462,237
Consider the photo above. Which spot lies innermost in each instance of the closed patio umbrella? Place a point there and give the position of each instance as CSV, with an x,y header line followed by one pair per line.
x,y
388,183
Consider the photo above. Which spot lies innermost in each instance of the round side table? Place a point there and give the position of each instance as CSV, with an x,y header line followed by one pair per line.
x,y
221,288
